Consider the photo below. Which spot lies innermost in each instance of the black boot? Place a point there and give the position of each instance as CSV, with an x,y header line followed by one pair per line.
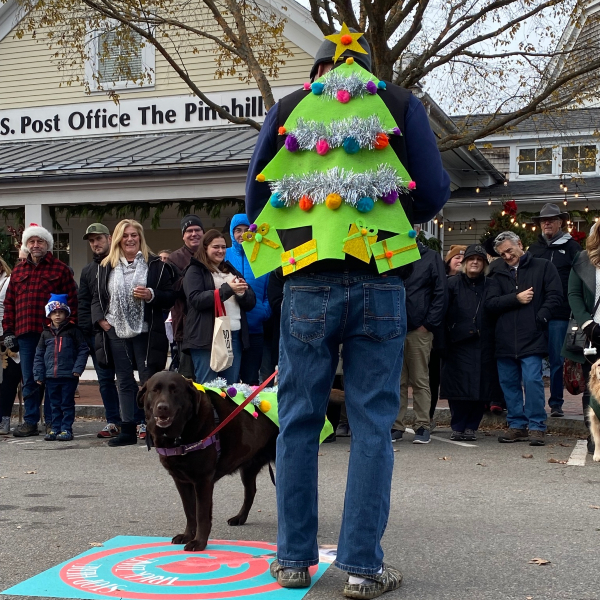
x,y
127,437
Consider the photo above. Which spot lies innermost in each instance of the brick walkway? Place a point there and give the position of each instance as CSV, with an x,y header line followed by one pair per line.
x,y
90,395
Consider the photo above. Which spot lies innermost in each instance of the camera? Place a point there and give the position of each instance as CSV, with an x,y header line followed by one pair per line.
x,y
591,350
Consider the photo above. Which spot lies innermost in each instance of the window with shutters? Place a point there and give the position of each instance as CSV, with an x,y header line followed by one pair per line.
x,y
114,64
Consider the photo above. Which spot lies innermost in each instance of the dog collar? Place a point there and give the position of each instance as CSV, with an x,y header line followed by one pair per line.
x,y
187,448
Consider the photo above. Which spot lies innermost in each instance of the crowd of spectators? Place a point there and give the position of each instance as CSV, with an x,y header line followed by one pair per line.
x,y
479,326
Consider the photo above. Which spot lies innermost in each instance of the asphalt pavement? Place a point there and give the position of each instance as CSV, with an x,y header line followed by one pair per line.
x,y
466,519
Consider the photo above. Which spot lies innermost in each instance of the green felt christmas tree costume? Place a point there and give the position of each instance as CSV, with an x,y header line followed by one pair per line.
x,y
338,174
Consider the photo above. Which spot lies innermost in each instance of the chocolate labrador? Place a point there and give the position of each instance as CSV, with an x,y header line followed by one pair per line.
x,y
177,414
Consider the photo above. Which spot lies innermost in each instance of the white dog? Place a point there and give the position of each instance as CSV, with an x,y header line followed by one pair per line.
x,y
594,387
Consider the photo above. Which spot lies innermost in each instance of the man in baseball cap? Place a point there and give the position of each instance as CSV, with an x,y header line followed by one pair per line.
x,y
98,236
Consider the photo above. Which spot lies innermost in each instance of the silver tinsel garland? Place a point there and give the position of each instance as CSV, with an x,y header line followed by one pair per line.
x,y
349,185
308,133
354,84
245,390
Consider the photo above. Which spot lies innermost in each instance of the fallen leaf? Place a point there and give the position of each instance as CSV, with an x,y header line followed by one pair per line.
x,y
18,527
527,455
30,472
4,477
528,597
320,454
594,507
96,545
558,462
394,450
259,510
444,458
539,561
566,445
482,464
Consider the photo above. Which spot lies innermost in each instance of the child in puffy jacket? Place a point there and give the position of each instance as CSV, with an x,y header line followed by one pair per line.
x,y
60,359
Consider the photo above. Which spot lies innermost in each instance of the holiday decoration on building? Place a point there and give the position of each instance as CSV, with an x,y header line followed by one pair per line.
x,y
337,174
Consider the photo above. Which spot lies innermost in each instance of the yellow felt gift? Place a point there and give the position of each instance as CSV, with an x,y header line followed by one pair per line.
x,y
359,240
299,257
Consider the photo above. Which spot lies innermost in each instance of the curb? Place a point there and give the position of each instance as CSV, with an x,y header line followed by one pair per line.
x,y
564,425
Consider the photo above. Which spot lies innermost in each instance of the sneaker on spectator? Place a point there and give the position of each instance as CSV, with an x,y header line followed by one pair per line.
x,y
397,435
111,430
343,430
556,411
537,438
496,409
513,435
457,436
5,426
422,436
374,585
64,436
289,577
141,431
51,436
469,435
26,429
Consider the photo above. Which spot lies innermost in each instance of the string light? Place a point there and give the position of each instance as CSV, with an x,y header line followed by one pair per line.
x,y
596,219
565,188
512,219
565,202
441,225
489,202
533,228
449,228
576,194
503,213
470,226
505,182
477,190
435,220
524,225
586,209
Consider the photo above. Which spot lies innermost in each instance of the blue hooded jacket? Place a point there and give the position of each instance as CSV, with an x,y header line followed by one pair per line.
x,y
235,255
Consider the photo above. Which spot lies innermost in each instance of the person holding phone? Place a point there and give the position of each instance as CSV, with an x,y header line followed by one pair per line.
x,y
209,271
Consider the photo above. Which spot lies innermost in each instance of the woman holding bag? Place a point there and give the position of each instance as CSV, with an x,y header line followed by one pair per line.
x,y
209,271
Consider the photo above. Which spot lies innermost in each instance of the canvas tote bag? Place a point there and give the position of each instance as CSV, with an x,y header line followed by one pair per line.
x,y
221,355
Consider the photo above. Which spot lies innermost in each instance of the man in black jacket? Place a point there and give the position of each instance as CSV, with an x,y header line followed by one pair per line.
x,y
425,308
557,246
525,293
99,238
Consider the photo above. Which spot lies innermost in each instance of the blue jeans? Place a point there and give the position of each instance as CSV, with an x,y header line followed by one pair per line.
x,y
516,374
32,395
202,371
108,388
366,314
60,394
557,330
252,359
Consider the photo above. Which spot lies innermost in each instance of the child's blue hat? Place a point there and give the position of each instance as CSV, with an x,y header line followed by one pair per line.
x,y
58,302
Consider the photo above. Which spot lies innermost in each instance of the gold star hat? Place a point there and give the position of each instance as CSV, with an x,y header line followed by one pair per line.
x,y
333,47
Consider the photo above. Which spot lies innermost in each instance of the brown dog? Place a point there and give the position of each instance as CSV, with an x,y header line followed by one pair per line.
x,y
594,386
178,414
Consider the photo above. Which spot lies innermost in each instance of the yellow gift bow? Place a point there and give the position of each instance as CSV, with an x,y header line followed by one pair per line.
x,y
258,237
364,232
290,264
397,251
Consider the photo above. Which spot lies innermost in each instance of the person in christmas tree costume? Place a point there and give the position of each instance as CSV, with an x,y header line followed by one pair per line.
x,y
341,170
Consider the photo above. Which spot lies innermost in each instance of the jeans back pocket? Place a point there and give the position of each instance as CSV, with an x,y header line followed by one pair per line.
x,y
307,312
385,315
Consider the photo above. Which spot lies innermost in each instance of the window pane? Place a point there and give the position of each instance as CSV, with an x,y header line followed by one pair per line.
x,y
527,154
544,154
569,166
526,168
544,167
570,152
113,63
587,155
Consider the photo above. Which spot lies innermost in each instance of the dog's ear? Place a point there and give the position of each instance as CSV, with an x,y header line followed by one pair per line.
x,y
141,396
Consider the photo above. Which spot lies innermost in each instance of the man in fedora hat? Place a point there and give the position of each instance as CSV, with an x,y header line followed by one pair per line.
x,y
556,245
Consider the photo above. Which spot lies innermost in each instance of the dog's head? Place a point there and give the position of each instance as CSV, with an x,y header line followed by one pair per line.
x,y
169,401
595,371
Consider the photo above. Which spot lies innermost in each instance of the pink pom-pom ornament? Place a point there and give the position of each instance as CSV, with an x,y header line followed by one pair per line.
x,y
412,185
255,415
343,96
292,261
322,147
307,85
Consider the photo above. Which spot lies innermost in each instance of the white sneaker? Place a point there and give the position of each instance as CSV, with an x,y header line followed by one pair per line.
x,y
110,431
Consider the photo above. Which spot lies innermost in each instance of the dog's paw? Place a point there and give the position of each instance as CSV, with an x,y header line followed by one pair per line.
x,y
237,520
182,538
596,457
195,546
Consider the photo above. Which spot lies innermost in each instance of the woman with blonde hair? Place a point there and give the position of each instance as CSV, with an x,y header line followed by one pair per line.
x,y
584,300
134,287
11,374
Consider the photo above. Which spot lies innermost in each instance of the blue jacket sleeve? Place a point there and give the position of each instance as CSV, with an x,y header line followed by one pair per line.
x,y
424,164
39,367
258,193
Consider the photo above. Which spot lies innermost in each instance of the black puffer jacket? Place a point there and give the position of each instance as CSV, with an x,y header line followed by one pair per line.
x,y
469,366
561,253
160,279
199,288
85,293
521,328
426,292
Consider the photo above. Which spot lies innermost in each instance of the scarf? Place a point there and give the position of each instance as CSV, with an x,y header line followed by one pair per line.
x,y
127,312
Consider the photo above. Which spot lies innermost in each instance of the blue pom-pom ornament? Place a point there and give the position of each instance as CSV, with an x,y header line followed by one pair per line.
x,y
276,201
351,145
317,88
365,204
